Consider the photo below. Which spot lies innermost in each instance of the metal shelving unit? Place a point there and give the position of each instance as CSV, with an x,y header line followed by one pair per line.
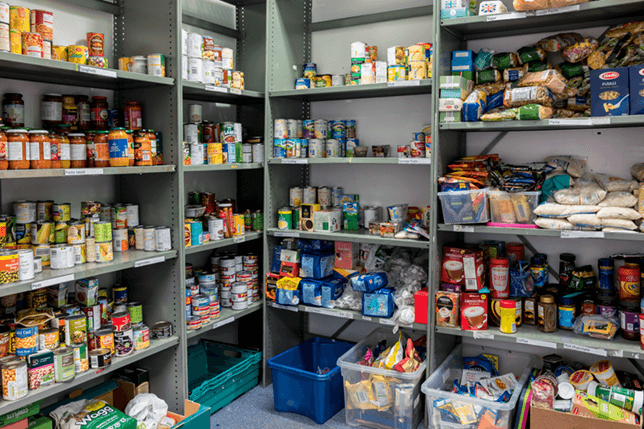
x,y
532,232
390,89
359,236
218,244
223,167
354,161
75,172
226,316
548,124
211,93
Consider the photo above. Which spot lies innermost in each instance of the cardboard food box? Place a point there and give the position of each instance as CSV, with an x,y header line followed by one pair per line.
x,y
474,311
327,220
421,301
463,61
548,419
449,117
307,212
40,422
347,255
636,85
609,92
195,416
463,266
19,414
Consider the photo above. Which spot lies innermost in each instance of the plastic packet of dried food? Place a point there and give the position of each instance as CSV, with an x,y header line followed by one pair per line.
x,y
499,115
488,76
578,104
570,70
537,66
33,317
533,112
504,60
580,50
530,53
360,396
619,199
483,59
559,42
494,101
626,231
555,210
559,224
571,164
551,79
585,220
625,213
518,97
490,88
619,223
513,75
596,60
474,106
581,195
614,184
563,113
635,27
637,171
382,392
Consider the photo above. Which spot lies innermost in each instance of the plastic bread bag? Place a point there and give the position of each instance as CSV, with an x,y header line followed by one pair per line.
x,y
551,79
559,224
148,409
585,220
559,42
499,115
531,53
580,50
518,97
533,112
614,184
474,106
488,76
571,164
514,74
483,59
619,199
625,213
505,60
621,224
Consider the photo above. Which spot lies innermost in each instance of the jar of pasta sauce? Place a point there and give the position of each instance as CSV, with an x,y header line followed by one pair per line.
x,y
18,149
83,112
99,113
13,110
4,163
54,145
39,150
119,147
101,149
78,149
130,143
142,148
65,150
70,111
51,110
133,116
89,138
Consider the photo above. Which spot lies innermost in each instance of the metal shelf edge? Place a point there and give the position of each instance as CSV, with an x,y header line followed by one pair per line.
x,y
211,245
223,167
358,237
226,316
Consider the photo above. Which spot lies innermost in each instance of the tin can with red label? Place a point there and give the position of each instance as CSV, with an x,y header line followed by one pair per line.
x,y
121,321
96,44
500,277
629,281
32,45
42,22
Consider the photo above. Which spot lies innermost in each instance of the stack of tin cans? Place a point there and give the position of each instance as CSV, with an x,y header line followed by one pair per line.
x,y
310,138
208,63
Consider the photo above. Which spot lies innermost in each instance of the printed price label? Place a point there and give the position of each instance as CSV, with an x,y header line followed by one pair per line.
x,y
223,322
482,335
295,161
287,234
150,261
404,83
367,318
601,121
83,171
239,239
557,10
505,16
538,343
570,122
584,349
387,322
235,91
50,282
414,160
462,228
329,312
285,307
214,88
97,71
582,234
617,353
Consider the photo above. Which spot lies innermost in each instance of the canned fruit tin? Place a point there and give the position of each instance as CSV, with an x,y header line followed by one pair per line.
x,y
124,342
14,381
141,337
304,83
75,330
77,54
100,358
310,70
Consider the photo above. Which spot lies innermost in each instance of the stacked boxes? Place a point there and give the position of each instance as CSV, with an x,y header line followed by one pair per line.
x,y
454,90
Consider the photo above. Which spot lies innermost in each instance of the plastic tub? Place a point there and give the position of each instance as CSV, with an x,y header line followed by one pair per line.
x,y
461,207
397,394
513,208
439,384
298,388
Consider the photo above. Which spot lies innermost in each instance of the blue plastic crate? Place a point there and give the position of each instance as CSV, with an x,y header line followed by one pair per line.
x,y
297,386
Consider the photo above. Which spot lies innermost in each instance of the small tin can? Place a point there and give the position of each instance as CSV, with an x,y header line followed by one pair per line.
x,y
285,218
4,13
62,256
333,148
396,72
77,54
61,212
162,238
136,312
141,337
336,193
64,369
76,232
104,338
26,340
162,330
156,65
121,241
132,213
149,239
59,53
41,232
48,339
324,196
119,216
295,196
75,330
103,232
121,321
320,129
104,252
310,70
14,380
317,148
96,44
258,220
303,83
100,358
124,342
32,45
193,322
81,359
26,264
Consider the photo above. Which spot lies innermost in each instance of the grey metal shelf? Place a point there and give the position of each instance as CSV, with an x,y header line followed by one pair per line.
x,y
244,2
217,244
75,172
548,124
223,167
23,67
390,89
226,316
206,25
122,261
560,340
97,5
480,229
347,315
372,18
211,93
359,236
156,346
366,160
594,13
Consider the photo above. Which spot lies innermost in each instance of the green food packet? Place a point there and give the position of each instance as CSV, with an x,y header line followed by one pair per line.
x,y
531,53
504,60
530,112
487,76
537,66
570,70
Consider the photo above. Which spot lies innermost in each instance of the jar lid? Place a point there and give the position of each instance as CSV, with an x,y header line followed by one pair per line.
x,y
506,303
536,260
568,257
567,300
118,129
102,132
547,299
37,132
129,131
16,131
54,95
542,256
76,135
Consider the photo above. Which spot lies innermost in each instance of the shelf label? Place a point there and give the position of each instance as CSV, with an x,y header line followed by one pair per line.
x,y
601,121
83,171
223,322
582,234
538,343
235,91
404,83
414,160
463,228
557,10
366,318
482,335
97,71
150,261
214,88
329,312
570,122
287,234
387,322
239,239
505,16
617,353
295,161
284,307
50,282
584,349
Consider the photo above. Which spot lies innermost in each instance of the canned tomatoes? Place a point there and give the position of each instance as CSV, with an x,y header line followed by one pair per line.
x,y
32,45
42,22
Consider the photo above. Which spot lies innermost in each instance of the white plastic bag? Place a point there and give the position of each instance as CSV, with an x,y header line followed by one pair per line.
x,y
614,184
618,213
619,199
585,220
546,223
554,210
619,223
148,409
590,194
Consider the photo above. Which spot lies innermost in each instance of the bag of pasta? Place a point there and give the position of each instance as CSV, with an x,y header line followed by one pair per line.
x,y
504,60
517,97
499,115
559,42
474,106
580,50
533,112
551,79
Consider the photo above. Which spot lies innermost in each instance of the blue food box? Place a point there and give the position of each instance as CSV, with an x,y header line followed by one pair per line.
x,y
331,290
369,282
317,265
609,92
636,84
379,303
276,263
462,61
287,297
311,292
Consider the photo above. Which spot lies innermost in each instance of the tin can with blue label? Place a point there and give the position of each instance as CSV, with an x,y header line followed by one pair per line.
x,y
303,83
338,129
285,218
606,274
308,128
310,70
317,148
350,127
279,148
351,146
196,233
229,153
304,148
292,148
333,148
343,147
320,129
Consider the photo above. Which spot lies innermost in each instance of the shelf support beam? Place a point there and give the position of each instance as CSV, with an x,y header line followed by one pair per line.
x,y
219,29
412,12
340,330
493,143
535,251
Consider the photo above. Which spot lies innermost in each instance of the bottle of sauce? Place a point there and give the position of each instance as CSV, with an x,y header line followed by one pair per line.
x,y
39,150
65,150
83,111
89,137
119,147
153,146
18,149
99,113
547,314
13,110
78,146
54,144
142,148
70,111
101,150
133,116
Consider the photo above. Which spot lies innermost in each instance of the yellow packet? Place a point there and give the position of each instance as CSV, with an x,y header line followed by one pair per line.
x,y
288,283
494,359
395,354
465,412
382,391
360,396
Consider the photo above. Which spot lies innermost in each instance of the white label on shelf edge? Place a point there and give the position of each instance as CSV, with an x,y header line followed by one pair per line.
x,y
601,120
150,261
482,335
415,82
329,312
537,343
387,322
505,16
584,349
235,91
287,234
555,11
284,307
295,161
83,171
50,282
617,353
414,160
367,318
239,239
223,322
570,122
97,71
463,228
216,88
582,234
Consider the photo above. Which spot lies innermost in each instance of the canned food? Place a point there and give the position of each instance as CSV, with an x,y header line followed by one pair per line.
x,y
48,339
62,256
124,342
103,232
80,254
77,54
14,381
90,250
25,265
162,238
81,360
5,338
104,338
121,242
141,337
104,252
149,239
162,330
64,369
26,340
59,53
75,232
121,321
75,330
136,312
100,358
156,65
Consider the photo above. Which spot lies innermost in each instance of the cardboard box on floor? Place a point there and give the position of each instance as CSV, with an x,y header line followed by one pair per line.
x,y
196,417
549,419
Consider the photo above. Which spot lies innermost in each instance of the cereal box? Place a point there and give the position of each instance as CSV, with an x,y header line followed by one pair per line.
x,y
636,84
609,92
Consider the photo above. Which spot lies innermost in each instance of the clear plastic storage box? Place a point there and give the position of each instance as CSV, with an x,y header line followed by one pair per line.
x,y
461,207
380,398
513,208
439,384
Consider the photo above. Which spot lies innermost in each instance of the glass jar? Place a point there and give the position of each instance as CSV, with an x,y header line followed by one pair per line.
x,y
51,110
629,318
142,148
119,147
153,146
18,149
547,314
89,138
157,136
83,119
101,150
39,150
78,147
4,162
54,145
133,115
130,144
13,110
70,111
98,113
65,150
566,267
567,313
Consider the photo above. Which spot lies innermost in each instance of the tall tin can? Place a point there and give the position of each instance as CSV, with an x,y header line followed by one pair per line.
x,y
285,218
310,195
336,192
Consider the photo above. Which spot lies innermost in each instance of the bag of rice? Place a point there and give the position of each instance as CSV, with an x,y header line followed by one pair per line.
x,y
573,165
546,223
554,210
619,199
619,223
618,213
585,220
614,184
637,171
590,194
619,230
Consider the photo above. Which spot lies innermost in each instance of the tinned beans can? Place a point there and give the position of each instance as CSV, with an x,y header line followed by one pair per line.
x,y
81,359
124,342
14,380
32,45
64,369
104,338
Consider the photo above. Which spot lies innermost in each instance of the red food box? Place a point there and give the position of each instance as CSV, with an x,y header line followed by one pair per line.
x,y
474,309
21,424
421,301
346,255
465,267
290,269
